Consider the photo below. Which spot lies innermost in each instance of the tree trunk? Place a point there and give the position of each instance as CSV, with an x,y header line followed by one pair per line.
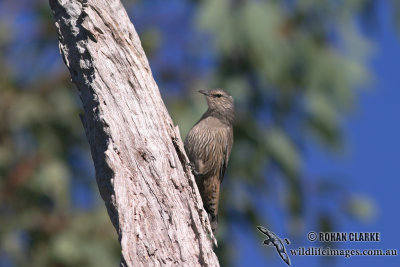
x,y
141,166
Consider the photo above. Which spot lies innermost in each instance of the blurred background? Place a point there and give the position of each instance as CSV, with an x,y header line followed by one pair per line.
x,y
316,136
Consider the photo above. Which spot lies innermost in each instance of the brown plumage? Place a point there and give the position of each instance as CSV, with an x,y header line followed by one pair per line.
x,y
208,146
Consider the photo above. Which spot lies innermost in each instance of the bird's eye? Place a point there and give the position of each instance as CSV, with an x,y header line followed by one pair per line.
x,y
218,95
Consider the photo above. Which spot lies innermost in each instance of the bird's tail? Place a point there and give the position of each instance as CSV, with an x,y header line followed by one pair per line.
x,y
209,189
214,222
211,206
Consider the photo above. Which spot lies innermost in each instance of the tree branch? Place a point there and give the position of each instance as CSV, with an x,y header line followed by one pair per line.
x,y
141,166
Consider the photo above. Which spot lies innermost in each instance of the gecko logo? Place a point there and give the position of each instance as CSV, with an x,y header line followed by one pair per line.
x,y
274,240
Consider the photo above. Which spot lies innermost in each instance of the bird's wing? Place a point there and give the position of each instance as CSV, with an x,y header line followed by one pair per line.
x,y
227,151
198,146
208,146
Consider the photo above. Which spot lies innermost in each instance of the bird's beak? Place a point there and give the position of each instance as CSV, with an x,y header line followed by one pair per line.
x,y
203,92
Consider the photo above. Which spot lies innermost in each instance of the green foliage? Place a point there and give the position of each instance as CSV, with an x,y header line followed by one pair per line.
x,y
39,131
293,67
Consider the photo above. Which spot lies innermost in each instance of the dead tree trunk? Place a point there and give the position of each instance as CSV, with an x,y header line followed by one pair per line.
x,y
141,167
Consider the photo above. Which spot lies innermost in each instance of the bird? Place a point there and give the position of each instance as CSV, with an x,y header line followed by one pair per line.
x,y
208,146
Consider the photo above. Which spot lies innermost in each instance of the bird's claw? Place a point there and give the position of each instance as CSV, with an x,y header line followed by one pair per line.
x,y
193,168
190,165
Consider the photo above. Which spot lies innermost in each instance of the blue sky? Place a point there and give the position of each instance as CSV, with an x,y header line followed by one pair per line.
x,y
370,164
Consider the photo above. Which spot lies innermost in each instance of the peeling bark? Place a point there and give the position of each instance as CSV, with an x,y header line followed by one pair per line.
x,y
141,166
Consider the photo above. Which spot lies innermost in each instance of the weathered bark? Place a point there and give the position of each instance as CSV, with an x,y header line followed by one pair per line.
x,y
141,167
